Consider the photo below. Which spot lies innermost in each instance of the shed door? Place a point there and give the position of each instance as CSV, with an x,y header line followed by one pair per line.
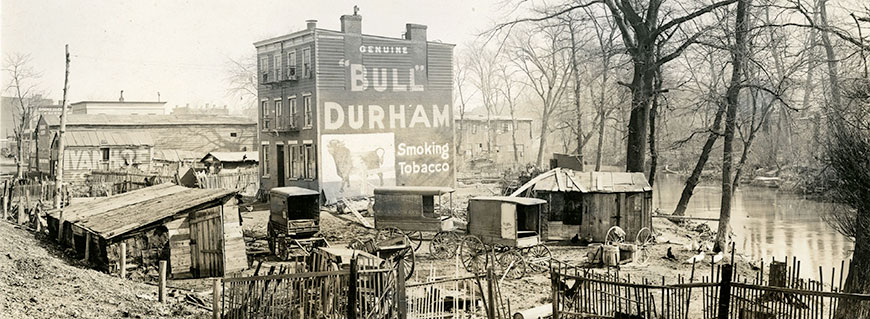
x,y
206,243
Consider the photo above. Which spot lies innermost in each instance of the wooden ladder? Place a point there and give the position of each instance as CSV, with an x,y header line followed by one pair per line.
x,y
356,214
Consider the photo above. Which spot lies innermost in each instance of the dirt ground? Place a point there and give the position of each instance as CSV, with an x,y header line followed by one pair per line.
x,y
39,281
533,289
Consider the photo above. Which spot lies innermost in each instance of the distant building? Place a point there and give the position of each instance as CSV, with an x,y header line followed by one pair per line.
x,y
85,151
342,112
492,140
118,108
213,110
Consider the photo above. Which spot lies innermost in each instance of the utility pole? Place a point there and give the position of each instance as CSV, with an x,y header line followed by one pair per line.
x,y
58,187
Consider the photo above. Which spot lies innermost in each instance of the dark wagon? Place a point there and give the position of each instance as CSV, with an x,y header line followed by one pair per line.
x,y
415,210
294,222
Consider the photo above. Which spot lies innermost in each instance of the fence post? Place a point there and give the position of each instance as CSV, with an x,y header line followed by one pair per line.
x,y
490,282
3,199
725,291
123,258
400,291
353,280
161,293
554,288
216,299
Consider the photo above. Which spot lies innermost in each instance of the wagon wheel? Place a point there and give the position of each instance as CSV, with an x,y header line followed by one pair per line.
x,y
444,245
615,235
512,264
416,238
537,257
473,254
388,233
645,237
408,259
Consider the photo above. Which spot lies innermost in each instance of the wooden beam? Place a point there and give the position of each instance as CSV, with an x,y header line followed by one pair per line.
x,y
123,263
161,290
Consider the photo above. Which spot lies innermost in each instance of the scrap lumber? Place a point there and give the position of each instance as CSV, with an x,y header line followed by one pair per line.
x,y
356,214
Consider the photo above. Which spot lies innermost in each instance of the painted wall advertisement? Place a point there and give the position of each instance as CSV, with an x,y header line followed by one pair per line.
x,y
386,129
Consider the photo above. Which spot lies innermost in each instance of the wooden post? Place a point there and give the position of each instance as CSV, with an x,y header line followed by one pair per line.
x,y
490,287
123,258
58,189
351,289
60,226
216,299
87,247
161,290
400,291
3,200
725,291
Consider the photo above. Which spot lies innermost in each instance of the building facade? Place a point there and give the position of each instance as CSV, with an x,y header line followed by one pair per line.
x,y
342,112
118,108
491,139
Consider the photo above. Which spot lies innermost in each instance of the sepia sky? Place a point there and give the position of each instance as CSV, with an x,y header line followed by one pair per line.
x,y
181,48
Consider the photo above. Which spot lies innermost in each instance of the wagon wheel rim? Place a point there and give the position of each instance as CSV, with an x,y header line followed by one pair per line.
x,y
409,260
512,264
473,254
615,235
416,238
538,257
645,237
443,245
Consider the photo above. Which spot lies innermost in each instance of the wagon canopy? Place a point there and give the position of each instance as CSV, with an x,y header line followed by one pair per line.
x,y
413,190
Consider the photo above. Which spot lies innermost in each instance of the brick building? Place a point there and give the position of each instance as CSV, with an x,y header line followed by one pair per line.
x,y
492,139
343,112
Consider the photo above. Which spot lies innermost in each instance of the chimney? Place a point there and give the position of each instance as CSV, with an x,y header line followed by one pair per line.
x,y
351,24
311,24
415,32
121,99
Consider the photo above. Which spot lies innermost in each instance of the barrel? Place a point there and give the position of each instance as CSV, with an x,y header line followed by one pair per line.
x,y
610,255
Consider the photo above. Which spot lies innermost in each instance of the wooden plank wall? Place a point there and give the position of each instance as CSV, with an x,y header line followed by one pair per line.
x,y
179,248
235,256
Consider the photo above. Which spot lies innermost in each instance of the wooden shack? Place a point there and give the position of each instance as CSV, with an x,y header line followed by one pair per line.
x,y
85,151
587,204
197,230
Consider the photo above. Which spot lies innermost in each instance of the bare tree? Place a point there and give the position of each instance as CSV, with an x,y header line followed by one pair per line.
x,y
460,74
547,68
22,85
484,64
511,91
242,79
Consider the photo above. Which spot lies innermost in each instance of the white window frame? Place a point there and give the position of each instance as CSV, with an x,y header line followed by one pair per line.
x,y
306,110
306,63
294,111
291,63
264,69
277,67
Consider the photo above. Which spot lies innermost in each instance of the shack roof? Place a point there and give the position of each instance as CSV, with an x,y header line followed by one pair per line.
x,y
414,190
175,155
293,191
116,215
148,120
567,180
101,138
233,156
516,200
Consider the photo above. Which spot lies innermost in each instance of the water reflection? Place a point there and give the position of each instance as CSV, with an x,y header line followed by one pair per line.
x,y
766,223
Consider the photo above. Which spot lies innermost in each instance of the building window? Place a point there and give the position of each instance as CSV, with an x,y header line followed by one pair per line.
x,y
293,111
264,109
279,109
234,134
264,69
520,150
277,66
291,64
266,160
306,104
306,62
294,161
310,162
105,152
506,126
473,128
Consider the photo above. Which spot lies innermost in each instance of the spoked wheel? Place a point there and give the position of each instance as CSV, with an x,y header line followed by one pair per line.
x,y
537,257
444,245
416,238
615,235
409,260
644,239
512,264
473,254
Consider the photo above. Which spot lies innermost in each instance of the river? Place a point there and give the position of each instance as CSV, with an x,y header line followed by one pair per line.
x,y
767,223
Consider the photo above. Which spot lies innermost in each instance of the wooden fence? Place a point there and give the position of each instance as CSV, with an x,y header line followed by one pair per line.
x,y
246,181
119,181
721,293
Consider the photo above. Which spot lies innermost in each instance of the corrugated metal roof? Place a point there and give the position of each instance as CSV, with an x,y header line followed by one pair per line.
x,y
161,119
99,138
234,156
117,215
567,180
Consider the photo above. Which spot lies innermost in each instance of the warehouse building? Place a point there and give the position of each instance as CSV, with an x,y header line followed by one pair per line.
x,y
343,112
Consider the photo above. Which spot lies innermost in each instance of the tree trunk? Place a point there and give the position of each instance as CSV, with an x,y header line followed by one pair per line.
x,y
19,171
641,90
576,71
695,177
731,99
600,147
653,112
544,134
